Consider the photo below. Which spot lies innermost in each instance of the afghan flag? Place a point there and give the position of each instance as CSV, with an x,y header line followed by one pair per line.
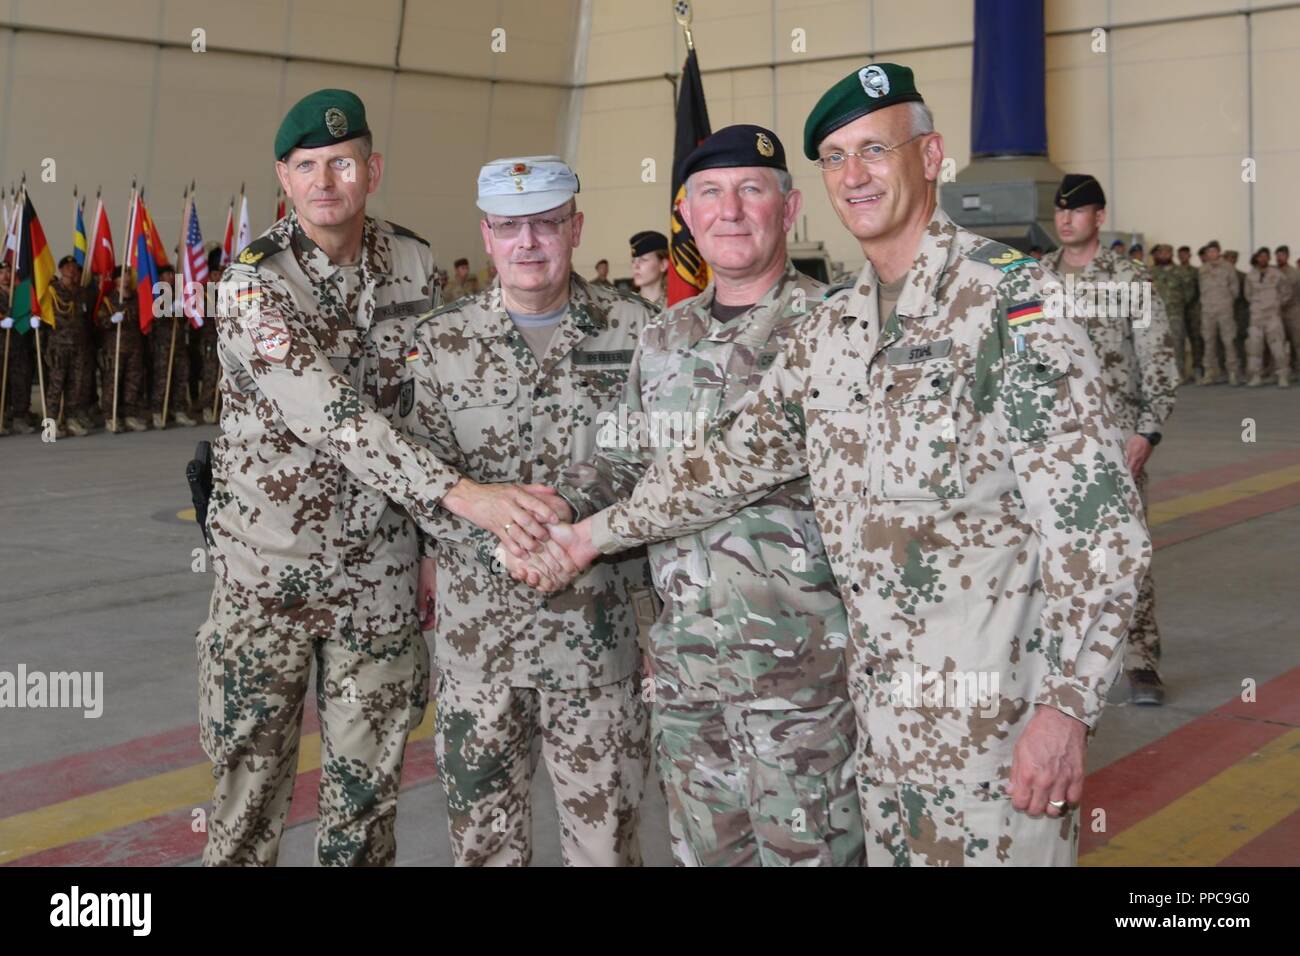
x,y
33,298
687,273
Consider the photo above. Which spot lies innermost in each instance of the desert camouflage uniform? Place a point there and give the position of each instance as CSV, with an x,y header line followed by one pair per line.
x,y
969,483
1173,293
752,720
456,290
131,355
1141,375
314,556
69,354
514,663
1269,294
1291,313
1218,290
22,366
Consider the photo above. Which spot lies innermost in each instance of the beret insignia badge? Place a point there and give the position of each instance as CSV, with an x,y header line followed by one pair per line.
x,y
874,81
764,146
336,121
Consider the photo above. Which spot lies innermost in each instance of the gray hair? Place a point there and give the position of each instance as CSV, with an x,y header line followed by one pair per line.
x,y
922,118
784,181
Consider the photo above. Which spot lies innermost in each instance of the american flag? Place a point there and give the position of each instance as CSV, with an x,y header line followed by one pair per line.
x,y
195,265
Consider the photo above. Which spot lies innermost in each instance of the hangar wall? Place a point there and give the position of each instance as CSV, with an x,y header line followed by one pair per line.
x,y
1186,91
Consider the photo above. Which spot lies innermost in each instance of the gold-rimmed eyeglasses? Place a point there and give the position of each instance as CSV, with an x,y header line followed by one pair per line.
x,y
871,153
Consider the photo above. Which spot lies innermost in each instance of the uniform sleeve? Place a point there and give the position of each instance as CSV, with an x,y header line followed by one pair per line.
x,y
748,451
429,425
1250,295
1068,458
1157,365
623,457
261,331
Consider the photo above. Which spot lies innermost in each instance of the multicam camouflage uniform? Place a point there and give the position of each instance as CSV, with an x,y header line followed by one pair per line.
x,y
22,366
312,558
130,378
1218,291
970,487
1141,375
1173,290
69,359
752,719
1291,313
1190,284
513,663
1269,293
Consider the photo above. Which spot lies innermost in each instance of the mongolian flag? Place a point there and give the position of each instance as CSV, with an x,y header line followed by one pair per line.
x,y
146,264
687,272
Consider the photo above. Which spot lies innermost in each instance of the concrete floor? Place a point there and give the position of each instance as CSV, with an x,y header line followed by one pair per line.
x,y
96,575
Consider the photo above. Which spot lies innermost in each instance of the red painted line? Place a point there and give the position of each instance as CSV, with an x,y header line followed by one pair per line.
x,y
1135,786
1277,846
1234,512
42,784
1195,481
168,840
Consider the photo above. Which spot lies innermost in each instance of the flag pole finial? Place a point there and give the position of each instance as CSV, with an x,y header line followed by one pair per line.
x,y
682,14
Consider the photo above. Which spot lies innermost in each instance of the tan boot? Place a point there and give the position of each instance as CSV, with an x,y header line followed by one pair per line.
x,y
136,424
113,426
209,417
1234,379
21,426
1206,379
1256,380
76,429
183,418
1283,380
158,420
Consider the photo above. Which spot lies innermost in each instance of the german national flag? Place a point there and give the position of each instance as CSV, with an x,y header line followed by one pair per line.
x,y
687,274
33,272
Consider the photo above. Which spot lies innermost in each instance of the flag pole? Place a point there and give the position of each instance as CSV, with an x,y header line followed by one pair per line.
x,y
4,377
171,351
121,301
86,273
36,329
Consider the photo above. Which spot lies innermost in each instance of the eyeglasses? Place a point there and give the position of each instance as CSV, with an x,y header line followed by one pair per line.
x,y
872,153
510,228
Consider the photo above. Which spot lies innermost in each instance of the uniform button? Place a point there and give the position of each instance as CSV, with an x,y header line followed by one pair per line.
x,y
859,397
870,672
936,382
816,392
866,324
540,460
857,589
1040,367
889,387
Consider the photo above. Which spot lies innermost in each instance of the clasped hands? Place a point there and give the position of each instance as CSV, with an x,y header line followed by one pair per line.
x,y
538,544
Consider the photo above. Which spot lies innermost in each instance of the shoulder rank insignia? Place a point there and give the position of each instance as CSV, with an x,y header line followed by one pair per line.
x,y
407,233
257,250
248,257
1011,260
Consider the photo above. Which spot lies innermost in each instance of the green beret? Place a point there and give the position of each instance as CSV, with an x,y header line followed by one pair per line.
x,y
320,119
863,91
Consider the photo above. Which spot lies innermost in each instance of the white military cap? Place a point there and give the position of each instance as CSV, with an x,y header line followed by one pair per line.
x,y
523,185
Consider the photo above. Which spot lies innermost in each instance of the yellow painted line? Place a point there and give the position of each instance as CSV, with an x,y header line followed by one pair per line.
x,y
1174,508
1213,821
82,817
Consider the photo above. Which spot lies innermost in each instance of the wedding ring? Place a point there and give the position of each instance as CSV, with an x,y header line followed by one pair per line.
x,y
1059,804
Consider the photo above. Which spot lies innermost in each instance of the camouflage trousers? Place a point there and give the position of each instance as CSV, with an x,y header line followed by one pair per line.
x,y
370,692
1194,337
920,823
130,378
1142,651
752,787
1178,333
1291,323
1219,330
68,376
1266,328
160,348
21,368
211,366
593,740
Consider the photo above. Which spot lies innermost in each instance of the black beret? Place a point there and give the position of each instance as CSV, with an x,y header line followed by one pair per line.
x,y
733,146
1079,189
67,260
648,241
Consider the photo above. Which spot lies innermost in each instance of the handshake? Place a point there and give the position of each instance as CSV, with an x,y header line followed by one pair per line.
x,y
539,544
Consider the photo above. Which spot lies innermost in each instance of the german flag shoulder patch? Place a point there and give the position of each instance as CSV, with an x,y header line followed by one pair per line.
x,y
1023,312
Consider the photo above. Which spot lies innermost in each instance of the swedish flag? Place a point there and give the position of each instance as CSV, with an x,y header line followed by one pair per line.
x,y
79,244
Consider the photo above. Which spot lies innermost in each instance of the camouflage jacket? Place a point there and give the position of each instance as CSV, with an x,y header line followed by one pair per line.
x,y
1218,286
310,476
1172,288
1292,276
1268,292
1132,340
751,611
485,406
970,487
1187,275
